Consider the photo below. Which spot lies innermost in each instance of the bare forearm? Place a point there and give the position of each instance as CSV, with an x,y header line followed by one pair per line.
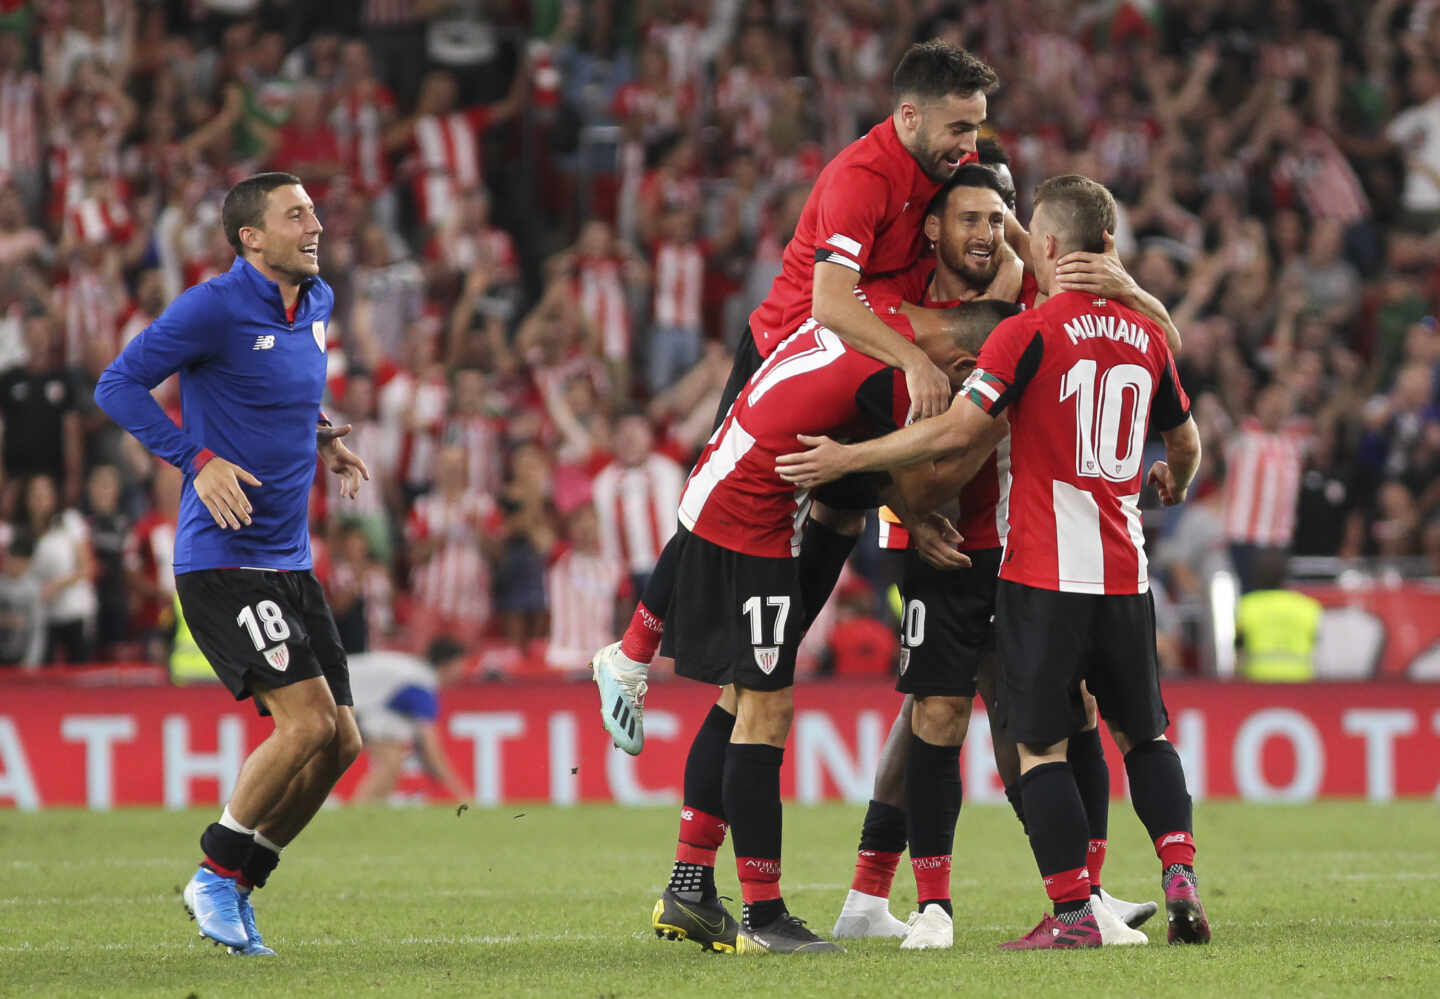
x,y
1184,462
926,440
1148,305
853,322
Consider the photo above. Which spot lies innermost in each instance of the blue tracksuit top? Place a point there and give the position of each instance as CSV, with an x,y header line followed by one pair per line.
x,y
251,384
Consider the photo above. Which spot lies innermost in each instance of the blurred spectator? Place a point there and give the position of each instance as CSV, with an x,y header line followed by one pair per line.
x,y
1262,465
359,591
39,405
583,587
452,534
860,643
528,537
679,278
370,509
109,531
65,570
150,564
1276,628
21,131
388,296
636,498
22,606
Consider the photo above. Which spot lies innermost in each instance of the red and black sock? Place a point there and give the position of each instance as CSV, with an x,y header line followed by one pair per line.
x,y
1086,757
882,840
702,819
1058,835
933,794
823,553
1157,790
642,636
225,850
752,804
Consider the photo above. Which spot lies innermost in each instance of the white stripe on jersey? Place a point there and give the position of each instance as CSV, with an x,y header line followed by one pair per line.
x,y
1079,550
734,445
1002,477
1130,507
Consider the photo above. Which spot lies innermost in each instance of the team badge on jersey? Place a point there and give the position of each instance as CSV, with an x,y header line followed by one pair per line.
x,y
904,660
278,657
318,329
767,658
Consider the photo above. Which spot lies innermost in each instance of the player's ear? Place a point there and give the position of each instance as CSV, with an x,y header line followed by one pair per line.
x,y
250,237
932,228
1052,247
909,114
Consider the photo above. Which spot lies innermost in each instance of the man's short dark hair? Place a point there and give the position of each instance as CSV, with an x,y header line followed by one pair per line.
x,y
442,650
969,175
990,153
245,204
971,322
1083,210
936,69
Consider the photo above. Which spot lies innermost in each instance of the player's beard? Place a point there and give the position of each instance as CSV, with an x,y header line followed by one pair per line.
x,y
932,161
978,278
296,265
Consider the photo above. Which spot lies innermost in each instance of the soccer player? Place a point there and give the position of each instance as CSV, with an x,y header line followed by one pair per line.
x,y
739,604
250,349
1081,379
862,218
947,633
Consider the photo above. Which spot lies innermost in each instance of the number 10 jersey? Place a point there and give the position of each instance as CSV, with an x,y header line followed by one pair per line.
x,y
1082,379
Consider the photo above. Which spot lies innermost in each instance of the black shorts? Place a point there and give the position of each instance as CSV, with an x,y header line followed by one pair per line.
x,y
264,629
857,491
734,618
947,628
1050,641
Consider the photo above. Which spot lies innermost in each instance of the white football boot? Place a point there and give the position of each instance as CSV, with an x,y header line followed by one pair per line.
x,y
622,696
933,929
867,916
1132,914
1113,931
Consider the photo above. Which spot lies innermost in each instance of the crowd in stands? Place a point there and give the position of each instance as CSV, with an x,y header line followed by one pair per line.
x,y
546,223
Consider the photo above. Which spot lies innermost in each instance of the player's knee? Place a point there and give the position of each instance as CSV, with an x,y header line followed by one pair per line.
x,y
312,731
942,721
347,746
765,716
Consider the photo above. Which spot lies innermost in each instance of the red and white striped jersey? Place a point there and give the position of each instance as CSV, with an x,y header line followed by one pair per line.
x,y
601,292
1083,379
358,119
1262,484
150,549
679,281
811,384
415,409
376,444
460,250
93,220
1316,174
481,438
448,160
455,580
581,589
636,509
660,111
19,122
92,304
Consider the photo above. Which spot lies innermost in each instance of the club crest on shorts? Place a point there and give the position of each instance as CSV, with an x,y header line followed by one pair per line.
x,y
278,657
318,329
767,657
904,660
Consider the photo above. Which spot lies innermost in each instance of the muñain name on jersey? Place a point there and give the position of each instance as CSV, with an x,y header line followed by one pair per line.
x,y
1089,326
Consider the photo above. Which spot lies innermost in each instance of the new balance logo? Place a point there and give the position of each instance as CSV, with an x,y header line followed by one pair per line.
x,y
264,342
1178,837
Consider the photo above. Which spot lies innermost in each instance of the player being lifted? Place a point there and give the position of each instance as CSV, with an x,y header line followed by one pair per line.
x,y
1073,603
862,218
250,349
947,633
739,604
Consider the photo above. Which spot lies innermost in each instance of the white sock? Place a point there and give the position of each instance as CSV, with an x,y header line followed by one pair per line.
x,y
269,844
231,822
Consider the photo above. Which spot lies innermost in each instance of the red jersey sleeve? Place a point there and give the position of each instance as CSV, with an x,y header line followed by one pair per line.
x,y
883,400
1007,362
851,207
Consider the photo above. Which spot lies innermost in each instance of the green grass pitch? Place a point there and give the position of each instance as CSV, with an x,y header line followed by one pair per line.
x,y
1326,899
